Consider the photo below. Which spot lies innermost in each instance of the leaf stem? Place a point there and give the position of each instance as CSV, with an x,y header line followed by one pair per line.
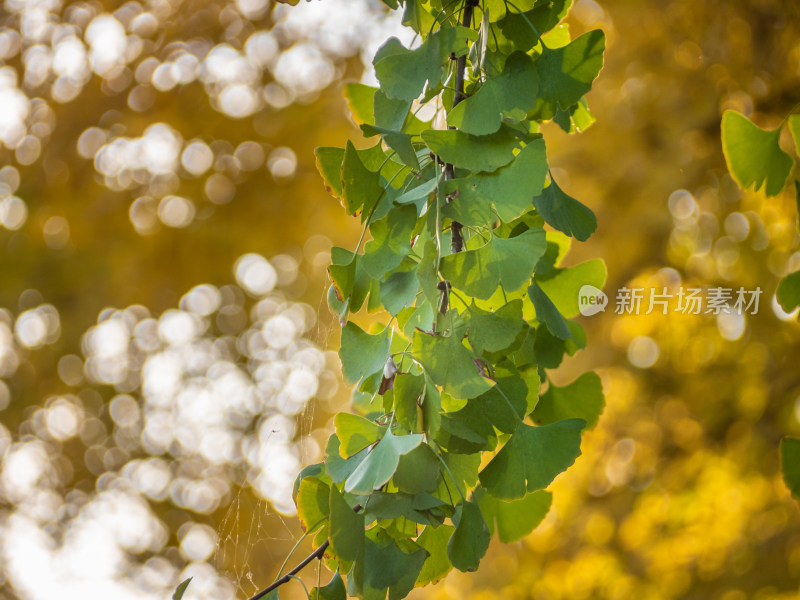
x,y
303,584
524,16
311,530
449,472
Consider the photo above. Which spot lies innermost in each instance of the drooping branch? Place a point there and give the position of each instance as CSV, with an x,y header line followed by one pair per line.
x,y
456,239
316,554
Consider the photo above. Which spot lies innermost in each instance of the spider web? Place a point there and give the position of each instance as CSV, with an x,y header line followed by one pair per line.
x,y
253,537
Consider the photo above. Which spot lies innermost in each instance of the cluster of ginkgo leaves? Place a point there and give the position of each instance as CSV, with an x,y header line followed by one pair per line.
x,y
755,160
467,281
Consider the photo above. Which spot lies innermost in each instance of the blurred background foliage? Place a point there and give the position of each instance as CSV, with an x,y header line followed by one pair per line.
x,y
163,332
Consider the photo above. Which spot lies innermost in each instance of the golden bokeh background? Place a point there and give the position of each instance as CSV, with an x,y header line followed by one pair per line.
x,y
165,346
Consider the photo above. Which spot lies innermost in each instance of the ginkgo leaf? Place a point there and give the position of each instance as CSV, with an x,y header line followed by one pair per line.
x,y
576,118
476,153
312,502
329,165
346,528
391,241
437,565
381,463
514,519
566,74
471,538
495,331
336,467
788,293
420,508
389,113
181,589
514,32
362,353
512,93
334,590
360,101
387,567
502,261
399,289
562,286
355,433
351,283
532,458
583,399
790,464
449,364
565,213
408,390
418,471
360,186
547,313
396,140
754,155
510,189
403,73
315,470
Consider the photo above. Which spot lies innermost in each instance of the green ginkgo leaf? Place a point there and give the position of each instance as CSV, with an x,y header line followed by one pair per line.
x,y
360,101
361,353
510,189
437,565
361,187
476,153
495,331
403,73
418,471
312,502
471,538
334,590
563,286
449,364
512,94
532,458
502,261
583,399
547,313
754,155
565,213
513,519
788,293
355,433
346,529
790,464
391,241
181,589
566,74
381,463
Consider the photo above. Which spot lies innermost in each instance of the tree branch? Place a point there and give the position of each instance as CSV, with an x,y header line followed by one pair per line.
x,y
456,239
318,553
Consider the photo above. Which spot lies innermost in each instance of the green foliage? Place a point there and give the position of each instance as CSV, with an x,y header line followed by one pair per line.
x,y
790,464
334,590
582,399
754,156
789,292
755,159
514,519
181,589
458,257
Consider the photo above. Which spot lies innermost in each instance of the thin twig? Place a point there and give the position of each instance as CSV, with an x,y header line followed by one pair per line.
x,y
288,577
